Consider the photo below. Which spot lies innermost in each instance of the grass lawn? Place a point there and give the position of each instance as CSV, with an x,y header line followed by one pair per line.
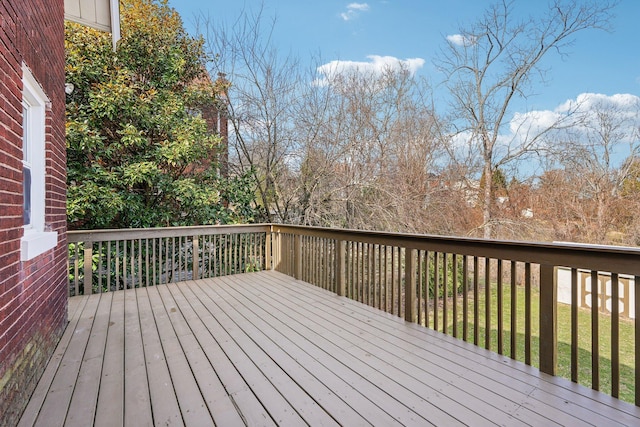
x,y
627,342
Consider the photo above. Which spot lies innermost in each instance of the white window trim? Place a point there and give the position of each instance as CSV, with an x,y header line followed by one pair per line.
x,y
36,239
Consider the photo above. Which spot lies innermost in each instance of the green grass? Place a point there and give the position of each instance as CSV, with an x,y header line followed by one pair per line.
x,y
626,342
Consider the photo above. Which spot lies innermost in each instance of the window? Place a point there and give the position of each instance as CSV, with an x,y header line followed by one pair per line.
x,y
36,239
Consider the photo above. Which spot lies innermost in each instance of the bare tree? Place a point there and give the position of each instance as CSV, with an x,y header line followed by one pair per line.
x,y
265,88
495,62
370,149
592,154
327,152
630,201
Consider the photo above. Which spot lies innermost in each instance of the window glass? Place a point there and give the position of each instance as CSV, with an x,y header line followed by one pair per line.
x,y
26,166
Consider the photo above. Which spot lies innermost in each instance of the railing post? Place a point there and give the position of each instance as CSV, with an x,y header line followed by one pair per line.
x,y
297,256
410,286
548,319
277,251
88,268
196,261
341,276
268,262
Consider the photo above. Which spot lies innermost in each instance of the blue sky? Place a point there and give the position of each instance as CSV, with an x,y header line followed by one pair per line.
x,y
599,62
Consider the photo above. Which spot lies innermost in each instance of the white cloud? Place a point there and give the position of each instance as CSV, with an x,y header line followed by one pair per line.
x,y
460,40
581,114
363,7
376,66
533,122
621,103
576,119
581,121
353,10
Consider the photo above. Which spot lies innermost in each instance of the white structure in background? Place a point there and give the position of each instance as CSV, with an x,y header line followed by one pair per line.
x,y
99,14
626,292
527,213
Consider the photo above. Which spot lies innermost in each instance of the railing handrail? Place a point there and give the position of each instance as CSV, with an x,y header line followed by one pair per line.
x,y
625,260
151,233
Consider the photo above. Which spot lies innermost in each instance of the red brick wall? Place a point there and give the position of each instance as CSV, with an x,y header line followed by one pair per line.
x,y
211,115
33,293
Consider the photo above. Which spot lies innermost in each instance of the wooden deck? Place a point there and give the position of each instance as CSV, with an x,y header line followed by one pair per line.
x,y
264,349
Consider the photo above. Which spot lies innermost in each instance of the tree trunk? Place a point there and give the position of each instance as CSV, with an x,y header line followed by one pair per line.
x,y
487,201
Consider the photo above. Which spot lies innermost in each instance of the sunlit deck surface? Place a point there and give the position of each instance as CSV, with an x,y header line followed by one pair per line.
x,y
265,349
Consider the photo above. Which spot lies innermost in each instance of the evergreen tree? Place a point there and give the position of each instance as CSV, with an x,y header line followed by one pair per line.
x,y
139,153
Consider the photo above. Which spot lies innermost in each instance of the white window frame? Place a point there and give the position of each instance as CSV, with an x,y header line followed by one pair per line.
x,y
36,240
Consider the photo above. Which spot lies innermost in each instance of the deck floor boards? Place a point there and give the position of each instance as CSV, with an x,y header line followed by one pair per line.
x,y
537,390
265,349
319,367
137,405
85,393
426,390
164,403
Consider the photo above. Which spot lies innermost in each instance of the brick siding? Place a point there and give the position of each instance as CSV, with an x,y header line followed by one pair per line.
x,y
32,294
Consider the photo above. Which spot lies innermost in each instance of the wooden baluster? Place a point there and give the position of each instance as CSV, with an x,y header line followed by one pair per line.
x,y
410,285
514,311
436,290
400,303
465,298
574,325
420,285
636,327
487,303
147,269
393,274
100,267
595,331
196,258
500,308
268,262
108,265
87,269
141,272
548,319
124,266
427,261
615,336
386,280
476,301
527,313
297,256
454,264
341,267
445,293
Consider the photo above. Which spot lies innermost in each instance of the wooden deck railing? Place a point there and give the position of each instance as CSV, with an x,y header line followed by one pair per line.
x,y
496,294
107,260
